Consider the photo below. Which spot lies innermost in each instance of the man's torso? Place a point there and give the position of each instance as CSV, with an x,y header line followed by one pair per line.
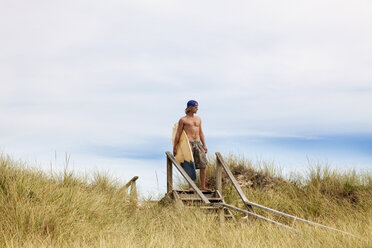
x,y
192,127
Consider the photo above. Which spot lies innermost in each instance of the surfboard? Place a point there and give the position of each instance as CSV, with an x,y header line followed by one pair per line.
x,y
184,153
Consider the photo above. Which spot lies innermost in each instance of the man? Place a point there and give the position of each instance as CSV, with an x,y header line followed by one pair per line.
x,y
193,128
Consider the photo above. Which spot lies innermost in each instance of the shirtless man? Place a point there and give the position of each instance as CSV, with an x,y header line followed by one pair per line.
x,y
192,126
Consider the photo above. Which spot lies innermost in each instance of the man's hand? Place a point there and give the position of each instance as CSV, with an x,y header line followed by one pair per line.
x,y
205,149
174,151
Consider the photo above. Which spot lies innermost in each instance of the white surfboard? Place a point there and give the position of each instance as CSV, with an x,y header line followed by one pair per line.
x,y
184,152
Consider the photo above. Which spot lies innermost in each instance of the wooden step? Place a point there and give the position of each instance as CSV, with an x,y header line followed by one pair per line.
x,y
186,193
204,207
190,192
188,198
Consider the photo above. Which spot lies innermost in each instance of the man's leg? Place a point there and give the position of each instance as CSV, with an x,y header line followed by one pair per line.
x,y
202,179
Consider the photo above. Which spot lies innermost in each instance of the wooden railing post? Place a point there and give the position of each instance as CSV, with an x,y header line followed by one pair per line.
x,y
221,210
133,192
169,175
133,195
218,175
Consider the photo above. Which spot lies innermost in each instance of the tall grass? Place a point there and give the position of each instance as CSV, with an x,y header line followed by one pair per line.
x,y
65,210
322,193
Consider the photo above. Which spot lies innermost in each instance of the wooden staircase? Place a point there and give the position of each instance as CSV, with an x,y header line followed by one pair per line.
x,y
213,201
190,199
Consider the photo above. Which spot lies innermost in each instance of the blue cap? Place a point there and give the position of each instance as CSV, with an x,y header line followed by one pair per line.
x,y
192,103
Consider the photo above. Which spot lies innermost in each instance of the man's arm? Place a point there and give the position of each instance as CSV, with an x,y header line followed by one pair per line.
x,y
202,138
178,135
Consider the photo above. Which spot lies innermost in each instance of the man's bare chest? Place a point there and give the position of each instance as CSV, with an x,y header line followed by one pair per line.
x,y
192,123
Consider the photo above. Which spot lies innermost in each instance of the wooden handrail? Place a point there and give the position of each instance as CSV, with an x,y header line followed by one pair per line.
x,y
172,160
299,219
130,182
221,162
249,204
254,214
133,188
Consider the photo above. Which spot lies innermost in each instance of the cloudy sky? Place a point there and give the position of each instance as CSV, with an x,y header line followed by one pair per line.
x,y
104,81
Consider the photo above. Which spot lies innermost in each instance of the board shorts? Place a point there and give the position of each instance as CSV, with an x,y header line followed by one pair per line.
x,y
198,152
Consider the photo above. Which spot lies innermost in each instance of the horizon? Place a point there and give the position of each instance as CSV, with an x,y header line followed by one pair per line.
x,y
285,156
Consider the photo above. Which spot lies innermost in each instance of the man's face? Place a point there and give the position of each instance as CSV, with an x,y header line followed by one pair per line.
x,y
194,109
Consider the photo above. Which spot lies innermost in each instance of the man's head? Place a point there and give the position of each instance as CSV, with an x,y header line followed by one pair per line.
x,y
192,106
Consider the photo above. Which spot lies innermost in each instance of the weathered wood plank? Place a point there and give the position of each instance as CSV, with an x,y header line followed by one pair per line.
x,y
218,176
198,199
133,180
299,219
133,191
221,215
254,214
169,175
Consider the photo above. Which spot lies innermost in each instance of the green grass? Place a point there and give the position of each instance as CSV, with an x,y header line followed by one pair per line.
x,y
66,210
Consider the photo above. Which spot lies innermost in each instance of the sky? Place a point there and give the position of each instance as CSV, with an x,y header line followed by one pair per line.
x,y
104,81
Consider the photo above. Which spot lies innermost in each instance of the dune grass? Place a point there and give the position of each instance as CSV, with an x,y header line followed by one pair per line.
x,y
66,210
